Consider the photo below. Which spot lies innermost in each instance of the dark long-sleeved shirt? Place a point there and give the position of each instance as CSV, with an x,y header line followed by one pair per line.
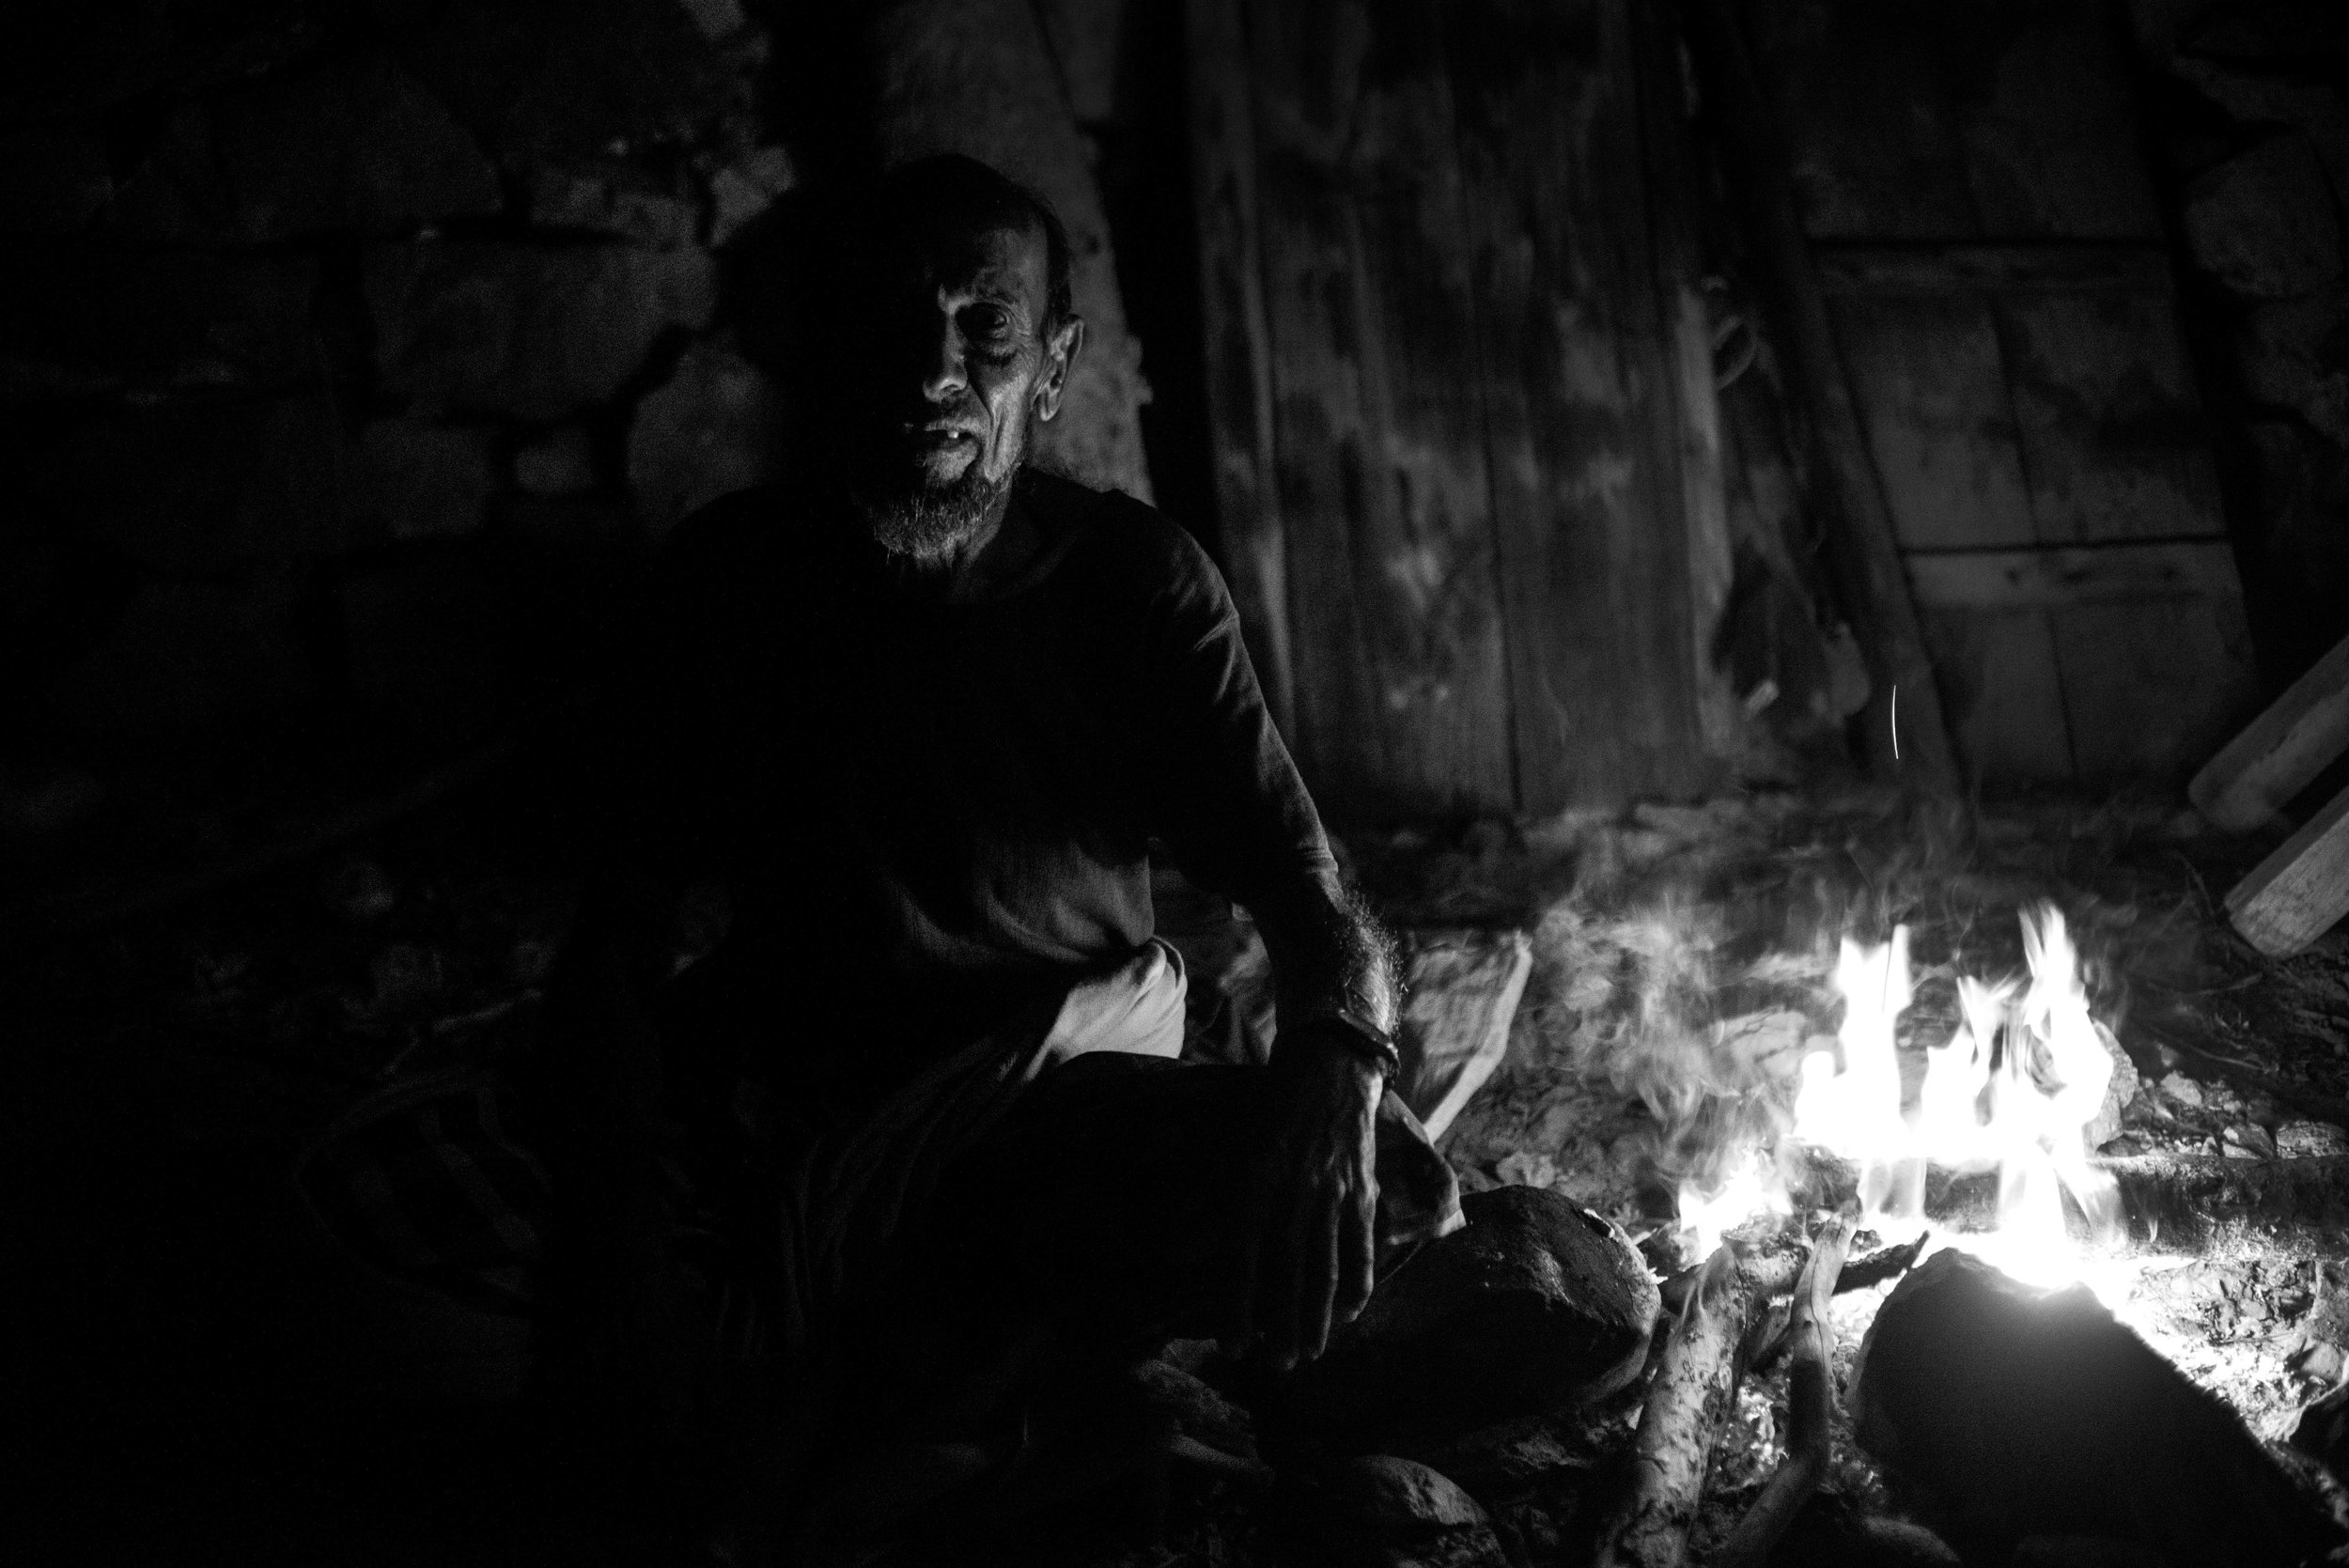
x,y
927,812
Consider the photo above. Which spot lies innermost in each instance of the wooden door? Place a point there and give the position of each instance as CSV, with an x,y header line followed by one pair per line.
x,y
1462,398
2003,296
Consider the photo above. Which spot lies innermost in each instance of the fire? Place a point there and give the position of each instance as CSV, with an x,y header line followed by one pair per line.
x,y
2013,1089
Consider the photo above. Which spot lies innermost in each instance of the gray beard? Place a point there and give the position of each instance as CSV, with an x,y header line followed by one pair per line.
x,y
926,523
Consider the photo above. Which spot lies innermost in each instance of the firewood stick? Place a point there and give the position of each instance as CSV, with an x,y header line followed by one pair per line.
x,y
1693,1387
1810,1408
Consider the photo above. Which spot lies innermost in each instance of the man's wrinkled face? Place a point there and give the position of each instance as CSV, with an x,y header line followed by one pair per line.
x,y
964,369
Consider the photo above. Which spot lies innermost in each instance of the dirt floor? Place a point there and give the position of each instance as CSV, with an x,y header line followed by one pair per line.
x,y
199,1395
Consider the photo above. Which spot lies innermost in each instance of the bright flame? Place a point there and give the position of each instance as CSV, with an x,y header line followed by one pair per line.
x,y
1752,1188
2015,1088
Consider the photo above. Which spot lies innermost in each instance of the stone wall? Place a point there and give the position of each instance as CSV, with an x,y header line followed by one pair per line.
x,y
363,349
2250,102
334,325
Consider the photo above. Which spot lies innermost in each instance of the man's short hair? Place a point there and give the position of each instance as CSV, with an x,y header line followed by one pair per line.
x,y
948,193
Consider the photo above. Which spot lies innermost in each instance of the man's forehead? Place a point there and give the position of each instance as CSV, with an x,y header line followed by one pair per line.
x,y
1002,260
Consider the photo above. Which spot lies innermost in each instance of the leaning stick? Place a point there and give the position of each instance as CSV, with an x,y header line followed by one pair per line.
x,y
1809,1410
1694,1386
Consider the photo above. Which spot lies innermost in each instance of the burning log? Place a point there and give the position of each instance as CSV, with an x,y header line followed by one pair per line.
x,y
1692,1392
1810,1404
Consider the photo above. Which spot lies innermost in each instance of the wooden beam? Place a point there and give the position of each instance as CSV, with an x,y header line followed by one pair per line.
x,y
1861,546
2282,751
2296,894
2061,578
1239,343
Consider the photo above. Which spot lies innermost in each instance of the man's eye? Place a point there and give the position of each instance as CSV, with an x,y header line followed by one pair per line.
x,y
987,322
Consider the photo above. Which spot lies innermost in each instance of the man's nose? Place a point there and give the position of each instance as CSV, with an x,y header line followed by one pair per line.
x,y
945,374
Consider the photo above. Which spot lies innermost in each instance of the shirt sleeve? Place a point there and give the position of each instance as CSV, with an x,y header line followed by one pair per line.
x,y
1227,795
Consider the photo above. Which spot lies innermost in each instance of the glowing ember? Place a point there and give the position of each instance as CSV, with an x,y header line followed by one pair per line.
x,y
2013,1089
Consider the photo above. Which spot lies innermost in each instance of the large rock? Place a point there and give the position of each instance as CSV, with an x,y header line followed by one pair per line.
x,y
355,144
715,428
1539,1304
573,84
612,197
977,77
2295,355
2003,1412
1378,1511
2264,222
536,332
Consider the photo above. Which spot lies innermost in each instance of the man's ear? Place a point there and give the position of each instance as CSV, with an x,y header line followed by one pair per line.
x,y
1059,355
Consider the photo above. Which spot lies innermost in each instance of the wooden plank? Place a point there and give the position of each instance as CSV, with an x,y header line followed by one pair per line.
x,y
2050,579
1462,994
1929,379
2297,893
2282,753
1401,674
1848,267
1232,310
1861,540
2152,688
1680,196
2113,436
1593,548
2005,695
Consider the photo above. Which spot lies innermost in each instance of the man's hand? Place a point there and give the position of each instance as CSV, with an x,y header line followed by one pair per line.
x,y
1310,1242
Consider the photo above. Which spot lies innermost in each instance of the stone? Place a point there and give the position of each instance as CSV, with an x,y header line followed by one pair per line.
x,y
355,144
2106,1125
611,198
577,83
85,317
2310,1140
480,326
2000,1412
2295,355
1384,1511
746,188
184,657
420,481
1525,1168
2247,1141
716,428
1536,1306
2181,1089
2256,98
53,178
561,462
2264,222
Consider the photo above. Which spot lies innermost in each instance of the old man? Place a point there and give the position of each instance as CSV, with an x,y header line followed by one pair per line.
x,y
928,712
